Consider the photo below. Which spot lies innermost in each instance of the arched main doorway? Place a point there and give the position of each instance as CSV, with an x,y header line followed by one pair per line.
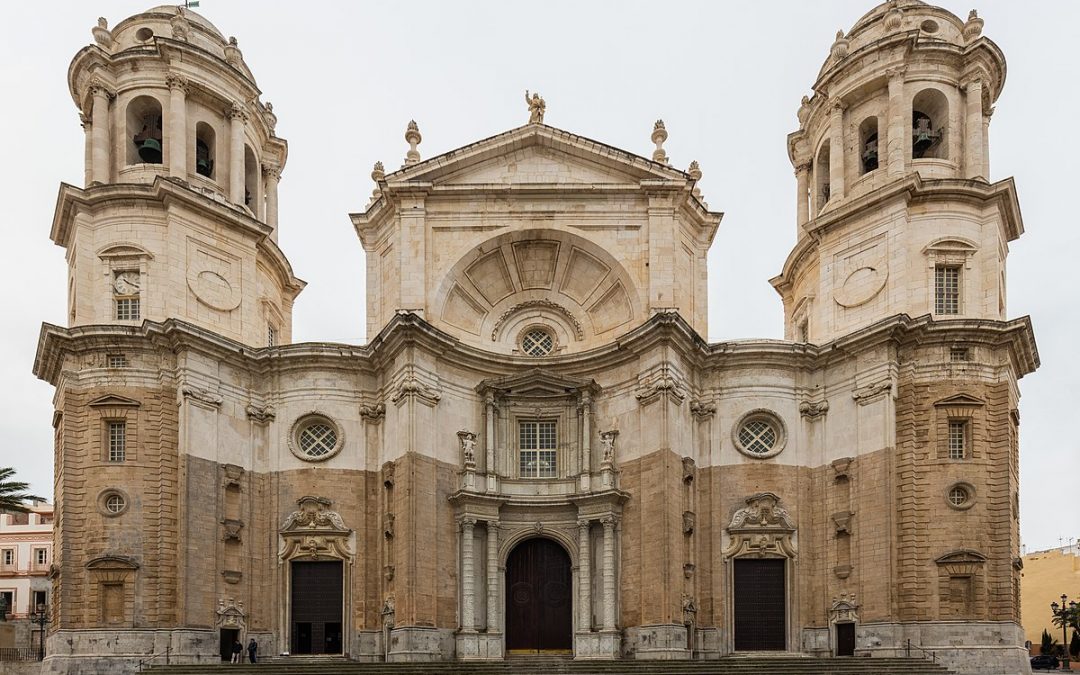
x,y
539,606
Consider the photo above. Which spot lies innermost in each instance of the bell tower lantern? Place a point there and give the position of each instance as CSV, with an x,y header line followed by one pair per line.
x,y
896,213
178,216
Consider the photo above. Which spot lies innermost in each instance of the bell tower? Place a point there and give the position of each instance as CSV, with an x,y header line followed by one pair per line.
x,y
178,217
896,211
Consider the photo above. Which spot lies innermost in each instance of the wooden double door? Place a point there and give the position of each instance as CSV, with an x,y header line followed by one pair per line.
x,y
316,609
539,604
760,604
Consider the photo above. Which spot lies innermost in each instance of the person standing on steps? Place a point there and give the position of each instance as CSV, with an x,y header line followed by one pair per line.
x,y
253,648
237,651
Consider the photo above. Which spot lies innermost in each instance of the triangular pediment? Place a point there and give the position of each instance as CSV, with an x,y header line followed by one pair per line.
x,y
113,401
536,154
959,400
538,382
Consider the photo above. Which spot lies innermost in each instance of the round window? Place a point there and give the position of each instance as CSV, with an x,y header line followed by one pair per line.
x,y
760,434
315,438
929,26
114,503
537,342
960,496
144,34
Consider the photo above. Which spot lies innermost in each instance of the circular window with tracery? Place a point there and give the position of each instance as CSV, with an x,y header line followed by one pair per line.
x,y
315,438
961,496
112,502
537,342
760,434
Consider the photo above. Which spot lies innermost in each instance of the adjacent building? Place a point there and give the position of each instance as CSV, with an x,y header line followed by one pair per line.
x,y
1047,576
26,547
538,451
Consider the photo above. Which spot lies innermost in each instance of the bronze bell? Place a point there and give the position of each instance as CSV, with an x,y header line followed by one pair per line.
x,y
922,136
148,141
204,166
870,156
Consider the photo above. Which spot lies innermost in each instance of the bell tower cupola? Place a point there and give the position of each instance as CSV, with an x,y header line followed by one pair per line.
x,y
178,215
895,209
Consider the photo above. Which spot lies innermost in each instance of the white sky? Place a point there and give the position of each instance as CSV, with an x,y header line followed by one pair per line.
x,y
726,77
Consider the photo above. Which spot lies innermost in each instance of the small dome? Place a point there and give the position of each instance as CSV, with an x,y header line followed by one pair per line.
x,y
879,11
191,16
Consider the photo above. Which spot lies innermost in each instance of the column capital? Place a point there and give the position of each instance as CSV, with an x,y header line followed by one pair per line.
x,y
896,73
272,171
467,522
97,87
237,112
84,120
609,522
803,167
837,106
972,81
177,81
584,524
492,526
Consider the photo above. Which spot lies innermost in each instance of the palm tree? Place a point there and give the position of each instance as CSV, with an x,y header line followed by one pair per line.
x,y
14,492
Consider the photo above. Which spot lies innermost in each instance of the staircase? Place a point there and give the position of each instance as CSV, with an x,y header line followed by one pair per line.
x,y
772,665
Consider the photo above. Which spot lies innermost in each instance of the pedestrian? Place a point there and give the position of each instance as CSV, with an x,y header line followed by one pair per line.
x,y
237,651
253,648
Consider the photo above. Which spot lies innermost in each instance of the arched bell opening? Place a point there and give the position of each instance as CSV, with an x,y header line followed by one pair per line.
x,y
868,144
144,128
251,179
821,177
929,113
539,598
205,149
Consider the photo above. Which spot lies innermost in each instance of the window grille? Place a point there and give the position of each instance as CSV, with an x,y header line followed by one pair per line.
x,y
946,289
317,439
116,361
959,354
757,436
115,503
271,336
958,439
117,441
127,309
537,342
538,449
958,496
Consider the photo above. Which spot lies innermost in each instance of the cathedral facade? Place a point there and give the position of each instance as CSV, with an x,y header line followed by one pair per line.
x,y
538,452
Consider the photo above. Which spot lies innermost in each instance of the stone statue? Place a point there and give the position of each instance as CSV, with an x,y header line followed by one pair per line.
x,y
468,446
536,107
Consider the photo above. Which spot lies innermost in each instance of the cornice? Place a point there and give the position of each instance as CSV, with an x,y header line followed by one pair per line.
x,y
407,330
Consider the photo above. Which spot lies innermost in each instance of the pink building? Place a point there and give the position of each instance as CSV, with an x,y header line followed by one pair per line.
x,y
26,543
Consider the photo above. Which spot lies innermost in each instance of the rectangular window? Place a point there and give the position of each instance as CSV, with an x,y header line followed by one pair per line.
x,y
127,309
9,598
39,601
41,556
8,557
959,354
117,441
537,448
116,361
958,439
946,289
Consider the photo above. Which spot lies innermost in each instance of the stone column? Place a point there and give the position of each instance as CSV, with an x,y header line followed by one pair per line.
x,y
973,138
898,120
586,442
88,149
237,116
177,130
609,572
986,141
489,441
584,578
492,576
802,178
99,119
836,150
271,176
468,576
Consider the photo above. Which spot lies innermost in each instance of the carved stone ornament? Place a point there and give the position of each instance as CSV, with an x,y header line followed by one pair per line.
x,y
893,18
702,410
271,120
842,521
201,397
413,138
373,413
689,470
233,56
844,609
101,33
537,107
973,27
841,46
842,467
232,475
607,443
410,388
962,563
660,385
260,414
762,528
689,519
804,111
467,440
232,529
387,611
813,410
546,304
689,608
314,532
230,613
871,392
181,29
659,135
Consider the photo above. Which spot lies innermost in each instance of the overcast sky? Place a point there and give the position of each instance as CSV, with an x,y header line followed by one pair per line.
x,y
726,77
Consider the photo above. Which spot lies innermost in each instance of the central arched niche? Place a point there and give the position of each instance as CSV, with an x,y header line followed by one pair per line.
x,y
548,279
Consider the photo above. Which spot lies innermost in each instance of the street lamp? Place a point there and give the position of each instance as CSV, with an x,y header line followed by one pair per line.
x,y
41,618
1064,613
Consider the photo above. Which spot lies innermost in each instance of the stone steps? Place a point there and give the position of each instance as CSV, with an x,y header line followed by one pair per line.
x,y
783,665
